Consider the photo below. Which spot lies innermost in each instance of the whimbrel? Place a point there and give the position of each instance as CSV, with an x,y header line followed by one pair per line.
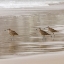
x,y
11,32
43,32
52,30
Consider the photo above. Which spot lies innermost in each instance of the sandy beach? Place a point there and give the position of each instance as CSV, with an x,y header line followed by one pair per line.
x,y
29,47
51,58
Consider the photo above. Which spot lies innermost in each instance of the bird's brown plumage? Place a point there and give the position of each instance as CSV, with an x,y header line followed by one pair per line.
x,y
43,32
11,32
51,29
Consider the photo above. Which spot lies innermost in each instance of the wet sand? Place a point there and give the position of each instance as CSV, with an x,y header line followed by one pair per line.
x,y
30,41
54,58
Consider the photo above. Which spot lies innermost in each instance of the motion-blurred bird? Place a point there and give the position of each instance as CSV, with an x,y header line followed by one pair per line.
x,y
12,32
43,32
52,30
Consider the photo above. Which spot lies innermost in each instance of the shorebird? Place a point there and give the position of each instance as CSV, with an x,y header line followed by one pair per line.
x,y
12,32
43,32
52,30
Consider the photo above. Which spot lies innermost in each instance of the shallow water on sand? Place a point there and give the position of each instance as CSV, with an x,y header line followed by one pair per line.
x,y
30,41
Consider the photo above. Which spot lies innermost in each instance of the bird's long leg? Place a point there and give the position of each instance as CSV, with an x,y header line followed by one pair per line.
x,y
51,36
54,34
12,38
44,37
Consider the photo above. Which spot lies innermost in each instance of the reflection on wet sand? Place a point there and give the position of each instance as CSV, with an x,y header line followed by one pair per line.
x,y
8,48
13,47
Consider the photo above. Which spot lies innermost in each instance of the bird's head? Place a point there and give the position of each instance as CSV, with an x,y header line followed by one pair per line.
x,y
7,29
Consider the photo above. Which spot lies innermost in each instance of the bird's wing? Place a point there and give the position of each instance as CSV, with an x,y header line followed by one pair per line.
x,y
14,32
46,33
